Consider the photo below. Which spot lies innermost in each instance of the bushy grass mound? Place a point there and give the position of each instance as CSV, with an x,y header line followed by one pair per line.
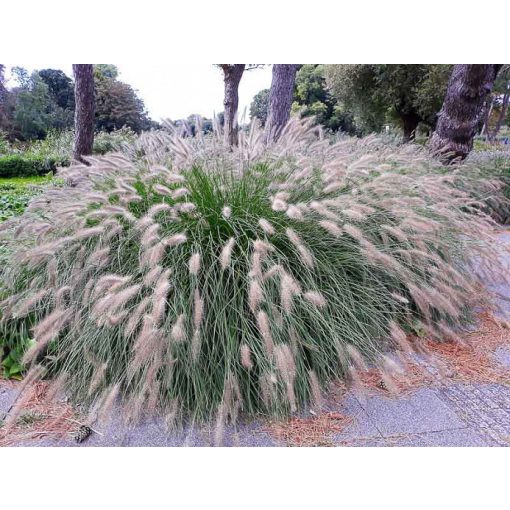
x,y
193,280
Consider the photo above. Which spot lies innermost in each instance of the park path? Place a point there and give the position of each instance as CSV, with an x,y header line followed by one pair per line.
x,y
446,413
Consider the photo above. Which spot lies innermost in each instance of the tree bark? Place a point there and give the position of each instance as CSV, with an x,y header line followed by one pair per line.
x,y
232,74
410,122
280,99
84,110
467,91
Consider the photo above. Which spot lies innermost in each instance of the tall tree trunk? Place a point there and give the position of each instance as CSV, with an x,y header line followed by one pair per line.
x,y
232,74
280,99
410,122
84,110
467,90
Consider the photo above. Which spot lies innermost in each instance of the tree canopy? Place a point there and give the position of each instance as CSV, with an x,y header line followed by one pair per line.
x,y
376,94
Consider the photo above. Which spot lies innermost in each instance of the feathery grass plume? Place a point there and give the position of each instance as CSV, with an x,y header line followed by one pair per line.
x,y
266,226
226,212
355,357
152,276
331,227
178,330
158,208
265,331
226,253
136,316
162,190
179,193
194,264
306,255
46,330
26,306
288,289
175,240
109,400
255,295
246,360
294,212
198,309
279,205
315,298
287,368
196,345
98,377
414,254
159,298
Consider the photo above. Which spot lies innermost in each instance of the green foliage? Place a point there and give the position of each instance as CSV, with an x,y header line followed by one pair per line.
x,y
118,105
259,106
378,93
113,141
39,157
199,280
109,71
16,193
60,87
14,342
37,109
17,165
312,98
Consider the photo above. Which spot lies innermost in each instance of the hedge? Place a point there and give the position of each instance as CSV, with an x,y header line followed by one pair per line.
x,y
17,165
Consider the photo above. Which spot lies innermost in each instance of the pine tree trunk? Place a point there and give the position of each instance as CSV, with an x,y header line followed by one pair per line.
x,y
84,110
467,91
280,99
232,74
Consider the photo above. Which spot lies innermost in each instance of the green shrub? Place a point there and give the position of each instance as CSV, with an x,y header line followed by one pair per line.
x,y
113,141
201,281
18,165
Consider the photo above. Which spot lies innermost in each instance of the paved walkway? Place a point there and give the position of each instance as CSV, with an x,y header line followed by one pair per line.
x,y
444,415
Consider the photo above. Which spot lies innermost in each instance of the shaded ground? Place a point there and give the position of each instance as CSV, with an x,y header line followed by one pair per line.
x,y
460,399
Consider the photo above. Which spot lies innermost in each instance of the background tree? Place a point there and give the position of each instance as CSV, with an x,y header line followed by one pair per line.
x,y
3,99
280,99
106,71
380,93
459,117
117,105
259,106
60,86
33,110
42,101
84,110
496,106
313,98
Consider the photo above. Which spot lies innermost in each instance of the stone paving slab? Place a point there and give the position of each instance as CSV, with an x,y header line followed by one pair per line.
x,y
422,411
502,354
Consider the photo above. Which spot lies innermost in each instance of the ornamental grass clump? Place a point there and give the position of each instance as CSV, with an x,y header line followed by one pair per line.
x,y
185,278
